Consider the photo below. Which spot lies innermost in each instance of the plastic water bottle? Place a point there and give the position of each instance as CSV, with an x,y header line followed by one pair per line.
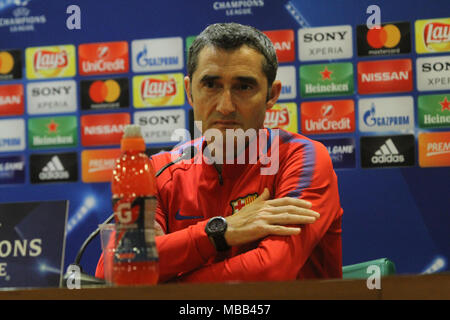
x,y
133,188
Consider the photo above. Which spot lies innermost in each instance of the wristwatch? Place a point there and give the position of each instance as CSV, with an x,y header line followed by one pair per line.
x,y
215,229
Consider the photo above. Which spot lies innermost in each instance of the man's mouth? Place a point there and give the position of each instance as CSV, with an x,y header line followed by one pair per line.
x,y
225,123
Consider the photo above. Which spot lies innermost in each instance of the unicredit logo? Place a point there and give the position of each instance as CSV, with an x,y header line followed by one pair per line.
x,y
436,32
44,60
104,66
328,117
327,125
155,88
277,118
98,58
102,52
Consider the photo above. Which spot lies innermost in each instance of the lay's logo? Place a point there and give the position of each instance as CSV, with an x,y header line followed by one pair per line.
x,y
433,35
276,118
50,62
44,60
283,116
158,90
436,33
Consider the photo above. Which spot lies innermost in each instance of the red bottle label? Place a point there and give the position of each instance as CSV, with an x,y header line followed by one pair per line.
x,y
135,235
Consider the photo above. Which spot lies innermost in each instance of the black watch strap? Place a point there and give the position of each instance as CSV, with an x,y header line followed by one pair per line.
x,y
215,229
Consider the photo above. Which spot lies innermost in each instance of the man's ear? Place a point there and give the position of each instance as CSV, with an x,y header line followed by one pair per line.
x,y
274,94
187,87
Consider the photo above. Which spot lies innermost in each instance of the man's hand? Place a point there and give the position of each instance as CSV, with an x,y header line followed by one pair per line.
x,y
265,217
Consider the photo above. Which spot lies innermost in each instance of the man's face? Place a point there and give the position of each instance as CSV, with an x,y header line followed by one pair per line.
x,y
229,90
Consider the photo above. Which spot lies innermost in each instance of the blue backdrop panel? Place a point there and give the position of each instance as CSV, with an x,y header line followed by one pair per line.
x,y
399,213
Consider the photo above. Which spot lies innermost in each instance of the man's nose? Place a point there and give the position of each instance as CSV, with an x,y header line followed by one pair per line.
x,y
225,104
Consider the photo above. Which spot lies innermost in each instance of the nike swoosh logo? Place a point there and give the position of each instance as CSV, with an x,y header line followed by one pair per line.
x,y
178,216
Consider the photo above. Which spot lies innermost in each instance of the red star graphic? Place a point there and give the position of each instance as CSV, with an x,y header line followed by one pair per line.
x,y
445,104
326,74
52,127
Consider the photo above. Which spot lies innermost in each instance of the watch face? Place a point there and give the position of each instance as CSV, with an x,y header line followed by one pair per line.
x,y
216,225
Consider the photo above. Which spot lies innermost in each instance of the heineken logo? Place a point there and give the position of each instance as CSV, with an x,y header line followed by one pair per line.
x,y
434,111
331,79
51,132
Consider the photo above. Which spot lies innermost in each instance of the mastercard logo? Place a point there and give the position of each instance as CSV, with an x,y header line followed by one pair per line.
x,y
6,62
387,36
104,91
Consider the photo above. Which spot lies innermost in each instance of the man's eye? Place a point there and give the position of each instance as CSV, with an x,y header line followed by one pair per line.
x,y
245,87
210,84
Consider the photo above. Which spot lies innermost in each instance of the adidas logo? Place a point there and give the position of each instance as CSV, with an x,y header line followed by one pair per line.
x,y
387,153
54,170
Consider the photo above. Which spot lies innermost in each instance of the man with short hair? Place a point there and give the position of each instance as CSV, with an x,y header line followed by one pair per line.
x,y
221,219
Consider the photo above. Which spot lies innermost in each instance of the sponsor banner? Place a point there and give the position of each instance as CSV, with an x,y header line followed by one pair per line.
x,y
12,135
32,242
10,64
18,17
342,152
150,55
51,97
434,149
385,76
387,39
52,132
53,167
103,58
97,165
158,90
386,114
333,116
103,129
50,62
332,79
387,151
104,94
11,100
158,126
325,43
433,35
239,8
12,169
433,73
283,41
288,82
282,116
434,111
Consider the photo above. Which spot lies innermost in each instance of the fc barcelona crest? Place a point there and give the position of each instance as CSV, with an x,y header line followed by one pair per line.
x,y
241,202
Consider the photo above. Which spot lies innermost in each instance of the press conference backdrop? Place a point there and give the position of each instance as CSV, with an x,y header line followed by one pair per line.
x,y
378,99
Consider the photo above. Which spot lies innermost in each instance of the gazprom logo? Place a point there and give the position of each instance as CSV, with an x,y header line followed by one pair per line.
x,y
158,54
386,114
371,119
143,60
